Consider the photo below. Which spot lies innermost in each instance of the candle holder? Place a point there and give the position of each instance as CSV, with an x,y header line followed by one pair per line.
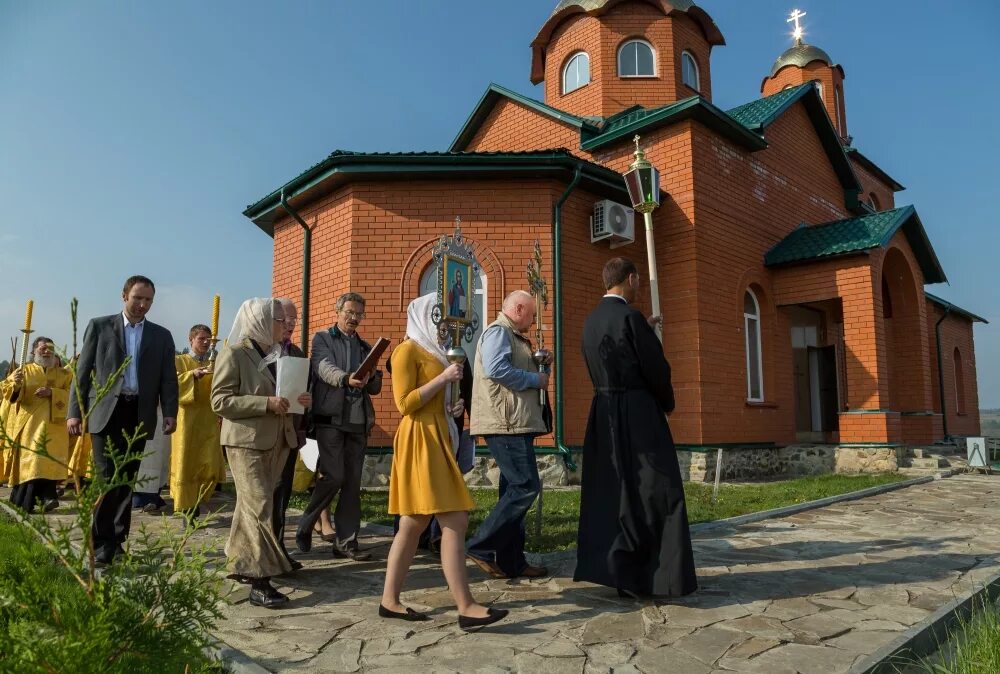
x,y
212,353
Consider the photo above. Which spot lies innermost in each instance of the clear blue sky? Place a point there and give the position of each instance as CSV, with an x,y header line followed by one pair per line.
x,y
133,134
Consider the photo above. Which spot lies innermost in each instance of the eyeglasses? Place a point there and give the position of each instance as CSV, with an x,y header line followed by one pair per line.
x,y
291,321
353,314
279,320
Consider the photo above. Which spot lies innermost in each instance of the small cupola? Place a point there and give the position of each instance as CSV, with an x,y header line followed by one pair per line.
x,y
803,63
599,57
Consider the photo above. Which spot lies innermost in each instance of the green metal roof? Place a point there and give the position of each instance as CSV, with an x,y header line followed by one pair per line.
x,y
757,114
494,93
857,235
629,122
342,165
954,308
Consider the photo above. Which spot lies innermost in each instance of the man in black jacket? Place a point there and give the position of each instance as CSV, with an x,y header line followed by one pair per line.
x,y
148,380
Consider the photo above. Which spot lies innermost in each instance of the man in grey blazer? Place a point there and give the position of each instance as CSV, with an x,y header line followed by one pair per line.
x,y
149,379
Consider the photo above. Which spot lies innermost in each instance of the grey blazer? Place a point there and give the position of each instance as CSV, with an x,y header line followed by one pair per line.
x,y
103,353
239,395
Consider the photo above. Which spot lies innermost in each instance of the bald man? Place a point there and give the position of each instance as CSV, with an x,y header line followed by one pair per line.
x,y
507,412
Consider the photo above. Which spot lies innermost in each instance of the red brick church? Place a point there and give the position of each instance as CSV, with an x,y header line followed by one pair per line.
x,y
791,282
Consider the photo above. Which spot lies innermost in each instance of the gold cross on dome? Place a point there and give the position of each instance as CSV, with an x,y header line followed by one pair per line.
x,y
798,32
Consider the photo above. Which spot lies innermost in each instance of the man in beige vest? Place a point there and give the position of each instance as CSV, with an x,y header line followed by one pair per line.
x,y
507,412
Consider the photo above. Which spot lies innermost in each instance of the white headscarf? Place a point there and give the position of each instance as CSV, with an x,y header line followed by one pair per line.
x,y
255,320
421,329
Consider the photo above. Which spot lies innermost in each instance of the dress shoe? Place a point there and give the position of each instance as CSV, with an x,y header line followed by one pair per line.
x,y
489,568
50,505
240,578
266,596
303,540
351,552
410,614
534,571
150,508
296,564
493,615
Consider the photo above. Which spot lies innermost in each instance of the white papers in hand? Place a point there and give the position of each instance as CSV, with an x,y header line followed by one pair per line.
x,y
293,381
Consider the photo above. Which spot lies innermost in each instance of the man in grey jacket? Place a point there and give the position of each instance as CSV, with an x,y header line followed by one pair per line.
x,y
149,379
343,417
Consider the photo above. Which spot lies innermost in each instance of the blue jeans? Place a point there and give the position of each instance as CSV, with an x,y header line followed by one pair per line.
x,y
500,538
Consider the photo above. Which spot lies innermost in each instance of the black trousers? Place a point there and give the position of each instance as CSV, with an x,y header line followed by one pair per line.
x,y
113,516
338,472
282,494
27,494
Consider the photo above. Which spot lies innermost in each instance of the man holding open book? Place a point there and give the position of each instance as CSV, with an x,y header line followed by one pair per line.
x,y
343,417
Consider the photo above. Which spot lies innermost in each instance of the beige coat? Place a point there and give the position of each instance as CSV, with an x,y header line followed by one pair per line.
x,y
239,395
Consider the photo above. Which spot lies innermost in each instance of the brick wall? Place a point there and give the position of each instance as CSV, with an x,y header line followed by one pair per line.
x,y
956,333
830,79
885,198
511,126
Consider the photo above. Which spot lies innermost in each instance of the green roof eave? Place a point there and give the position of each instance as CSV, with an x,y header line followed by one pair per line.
x,y
495,92
695,108
954,308
757,115
858,235
341,166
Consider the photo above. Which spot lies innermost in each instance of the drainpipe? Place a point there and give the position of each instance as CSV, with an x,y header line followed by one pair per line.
x,y
557,324
937,338
306,258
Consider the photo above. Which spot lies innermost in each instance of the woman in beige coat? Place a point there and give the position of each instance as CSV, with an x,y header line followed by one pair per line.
x,y
257,433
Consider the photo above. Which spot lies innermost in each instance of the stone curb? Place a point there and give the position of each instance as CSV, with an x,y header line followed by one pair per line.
x,y
928,636
551,558
233,659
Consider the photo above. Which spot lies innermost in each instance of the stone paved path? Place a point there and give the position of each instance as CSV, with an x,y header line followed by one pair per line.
x,y
814,592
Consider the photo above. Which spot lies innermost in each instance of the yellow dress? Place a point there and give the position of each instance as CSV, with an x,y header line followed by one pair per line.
x,y
195,453
32,418
425,478
79,461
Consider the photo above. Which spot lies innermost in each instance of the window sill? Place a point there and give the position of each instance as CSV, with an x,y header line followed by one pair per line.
x,y
762,404
573,91
639,77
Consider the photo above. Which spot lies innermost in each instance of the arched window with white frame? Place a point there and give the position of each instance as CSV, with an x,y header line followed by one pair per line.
x,y
689,71
636,58
751,334
576,73
428,284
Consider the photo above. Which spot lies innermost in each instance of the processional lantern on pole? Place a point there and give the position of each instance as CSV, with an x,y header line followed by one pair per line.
x,y
457,279
540,291
643,183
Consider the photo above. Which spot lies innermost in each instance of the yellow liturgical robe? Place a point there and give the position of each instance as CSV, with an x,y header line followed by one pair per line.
x,y
31,418
5,390
196,454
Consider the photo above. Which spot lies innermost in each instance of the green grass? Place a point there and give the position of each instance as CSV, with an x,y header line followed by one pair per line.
x,y
561,508
973,646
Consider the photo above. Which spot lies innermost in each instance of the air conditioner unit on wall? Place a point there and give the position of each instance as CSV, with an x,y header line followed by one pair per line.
x,y
612,221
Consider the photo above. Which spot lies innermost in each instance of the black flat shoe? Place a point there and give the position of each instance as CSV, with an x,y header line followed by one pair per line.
x,y
267,597
296,564
494,615
240,578
303,540
351,553
328,538
411,615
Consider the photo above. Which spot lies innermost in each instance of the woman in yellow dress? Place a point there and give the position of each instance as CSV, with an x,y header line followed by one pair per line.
x,y
425,479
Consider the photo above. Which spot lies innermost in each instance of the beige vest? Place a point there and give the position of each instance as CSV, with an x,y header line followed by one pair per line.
x,y
496,410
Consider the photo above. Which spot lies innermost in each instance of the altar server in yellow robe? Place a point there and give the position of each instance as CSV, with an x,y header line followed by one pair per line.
x,y
39,401
81,449
6,387
196,455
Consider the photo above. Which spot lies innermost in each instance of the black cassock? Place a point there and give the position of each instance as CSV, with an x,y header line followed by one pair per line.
x,y
633,522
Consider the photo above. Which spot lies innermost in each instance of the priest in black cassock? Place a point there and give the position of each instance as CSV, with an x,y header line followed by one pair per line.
x,y
633,522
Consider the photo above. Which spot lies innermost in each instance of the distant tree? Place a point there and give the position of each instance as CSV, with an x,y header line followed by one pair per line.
x,y
4,366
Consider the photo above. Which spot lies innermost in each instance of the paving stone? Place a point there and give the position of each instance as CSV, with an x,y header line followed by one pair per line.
x,y
415,642
879,626
845,604
819,625
668,660
609,655
839,593
530,663
906,615
701,617
559,648
879,596
710,644
862,642
615,627
467,653
931,601
790,609
340,656
664,635
625,669
760,626
800,659
748,649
